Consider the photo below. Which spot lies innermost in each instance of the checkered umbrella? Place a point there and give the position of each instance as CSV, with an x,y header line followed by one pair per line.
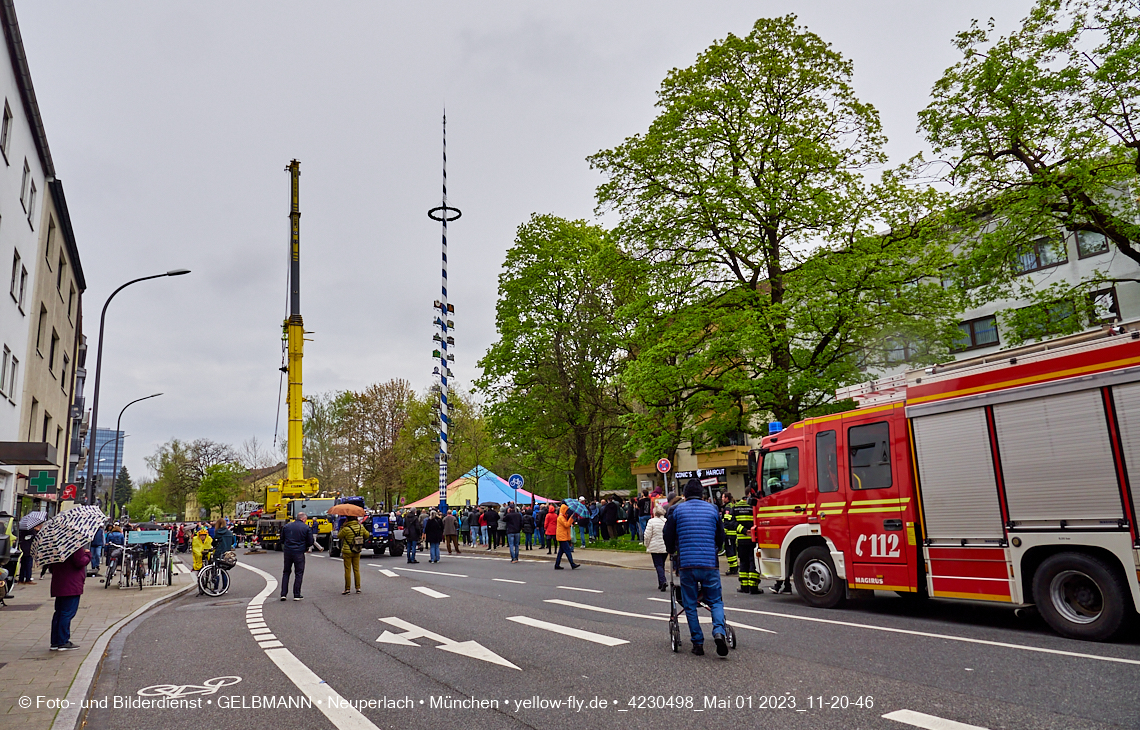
x,y
65,533
576,507
32,519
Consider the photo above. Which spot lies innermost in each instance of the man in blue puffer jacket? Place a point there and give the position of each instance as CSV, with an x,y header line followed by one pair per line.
x,y
694,531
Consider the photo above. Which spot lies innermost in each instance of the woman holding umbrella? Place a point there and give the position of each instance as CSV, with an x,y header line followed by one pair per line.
x,y
60,545
30,524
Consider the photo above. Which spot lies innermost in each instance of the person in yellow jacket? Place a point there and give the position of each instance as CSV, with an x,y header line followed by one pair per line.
x,y
563,533
201,544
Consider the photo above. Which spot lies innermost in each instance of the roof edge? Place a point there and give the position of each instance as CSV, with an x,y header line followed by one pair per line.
x,y
24,82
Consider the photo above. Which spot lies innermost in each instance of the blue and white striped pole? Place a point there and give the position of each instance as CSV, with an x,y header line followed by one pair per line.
x,y
444,423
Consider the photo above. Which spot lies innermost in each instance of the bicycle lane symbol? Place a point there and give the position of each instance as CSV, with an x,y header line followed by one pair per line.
x,y
174,691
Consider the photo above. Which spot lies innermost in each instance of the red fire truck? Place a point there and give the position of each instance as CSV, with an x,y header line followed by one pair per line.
x,y
1004,478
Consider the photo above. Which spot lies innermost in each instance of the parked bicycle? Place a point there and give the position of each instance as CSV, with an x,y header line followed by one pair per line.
x,y
214,577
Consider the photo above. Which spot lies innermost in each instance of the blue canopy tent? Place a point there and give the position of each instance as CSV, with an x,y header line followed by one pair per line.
x,y
489,487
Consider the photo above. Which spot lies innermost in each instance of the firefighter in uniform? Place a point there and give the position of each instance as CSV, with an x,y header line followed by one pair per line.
x,y
730,538
741,512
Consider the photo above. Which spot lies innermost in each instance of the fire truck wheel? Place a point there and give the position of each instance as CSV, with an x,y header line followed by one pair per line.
x,y
816,580
1080,596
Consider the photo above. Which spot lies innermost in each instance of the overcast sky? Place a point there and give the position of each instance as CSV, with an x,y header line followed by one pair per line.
x,y
171,123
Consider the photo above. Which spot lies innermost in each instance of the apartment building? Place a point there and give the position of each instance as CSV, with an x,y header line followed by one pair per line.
x,y
52,350
40,320
1068,257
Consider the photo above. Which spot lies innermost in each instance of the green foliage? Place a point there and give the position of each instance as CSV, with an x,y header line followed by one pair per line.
x,y
1039,128
551,376
764,281
147,498
176,476
220,486
124,490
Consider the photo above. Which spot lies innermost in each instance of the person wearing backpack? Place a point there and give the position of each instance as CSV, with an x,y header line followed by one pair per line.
x,y
351,538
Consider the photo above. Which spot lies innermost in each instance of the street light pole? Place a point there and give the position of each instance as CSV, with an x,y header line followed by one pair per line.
x,y
94,427
115,461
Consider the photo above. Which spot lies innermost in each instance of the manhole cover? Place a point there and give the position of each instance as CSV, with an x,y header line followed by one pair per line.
x,y
21,607
226,603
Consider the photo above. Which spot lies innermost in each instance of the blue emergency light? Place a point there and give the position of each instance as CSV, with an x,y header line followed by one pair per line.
x,y
775,427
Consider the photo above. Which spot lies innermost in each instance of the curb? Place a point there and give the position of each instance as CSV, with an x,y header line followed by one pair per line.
x,y
69,717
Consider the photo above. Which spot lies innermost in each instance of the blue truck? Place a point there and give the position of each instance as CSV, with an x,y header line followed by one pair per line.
x,y
378,537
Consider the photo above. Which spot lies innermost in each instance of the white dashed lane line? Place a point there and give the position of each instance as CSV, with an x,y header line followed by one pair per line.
x,y
334,707
584,590
429,592
928,722
432,572
389,573
508,580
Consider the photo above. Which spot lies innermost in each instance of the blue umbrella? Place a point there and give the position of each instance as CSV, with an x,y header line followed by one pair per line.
x,y
576,507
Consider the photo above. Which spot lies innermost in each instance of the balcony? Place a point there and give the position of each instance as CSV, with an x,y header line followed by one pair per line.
x,y
724,456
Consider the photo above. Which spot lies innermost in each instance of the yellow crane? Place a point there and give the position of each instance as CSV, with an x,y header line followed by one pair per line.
x,y
294,494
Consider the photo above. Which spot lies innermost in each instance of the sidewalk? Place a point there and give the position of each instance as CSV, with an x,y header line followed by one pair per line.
x,y
28,668
585,556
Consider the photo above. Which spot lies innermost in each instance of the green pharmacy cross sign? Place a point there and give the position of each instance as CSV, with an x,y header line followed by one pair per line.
x,y
44,481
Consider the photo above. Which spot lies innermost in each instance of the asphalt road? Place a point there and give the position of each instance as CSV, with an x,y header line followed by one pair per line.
x,y
482,628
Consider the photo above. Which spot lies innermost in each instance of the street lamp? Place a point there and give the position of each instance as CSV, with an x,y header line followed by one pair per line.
x,y
99,362
115,461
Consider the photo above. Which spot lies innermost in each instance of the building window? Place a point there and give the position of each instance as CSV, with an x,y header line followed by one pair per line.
x,y
23,287
58,441
40,330
12,379
1091,243
981,332
31,204
1103,306
50,241
24,186
6,130
63,375
1040,254
32,419
59,274
15,275
7,356
900,350
51,352
71,303
47,427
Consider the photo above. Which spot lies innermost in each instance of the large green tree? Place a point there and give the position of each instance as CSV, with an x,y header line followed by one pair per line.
x,y
1041,132
551,377
768,282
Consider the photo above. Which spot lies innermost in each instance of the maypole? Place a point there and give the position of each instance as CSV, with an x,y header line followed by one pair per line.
x,y
444,214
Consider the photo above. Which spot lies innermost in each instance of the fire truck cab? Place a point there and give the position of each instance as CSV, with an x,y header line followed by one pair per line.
x,y
1003,479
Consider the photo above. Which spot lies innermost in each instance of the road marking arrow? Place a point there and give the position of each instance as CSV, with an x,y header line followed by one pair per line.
x,y
475,650
389,638
472,649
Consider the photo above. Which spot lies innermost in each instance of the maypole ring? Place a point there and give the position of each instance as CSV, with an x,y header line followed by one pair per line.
x,y
446,209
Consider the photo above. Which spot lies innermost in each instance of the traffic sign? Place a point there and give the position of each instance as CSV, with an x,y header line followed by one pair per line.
x,y
664,465
516,481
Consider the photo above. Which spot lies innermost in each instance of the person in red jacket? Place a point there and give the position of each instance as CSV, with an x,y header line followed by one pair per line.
x,y
551,528
66,588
